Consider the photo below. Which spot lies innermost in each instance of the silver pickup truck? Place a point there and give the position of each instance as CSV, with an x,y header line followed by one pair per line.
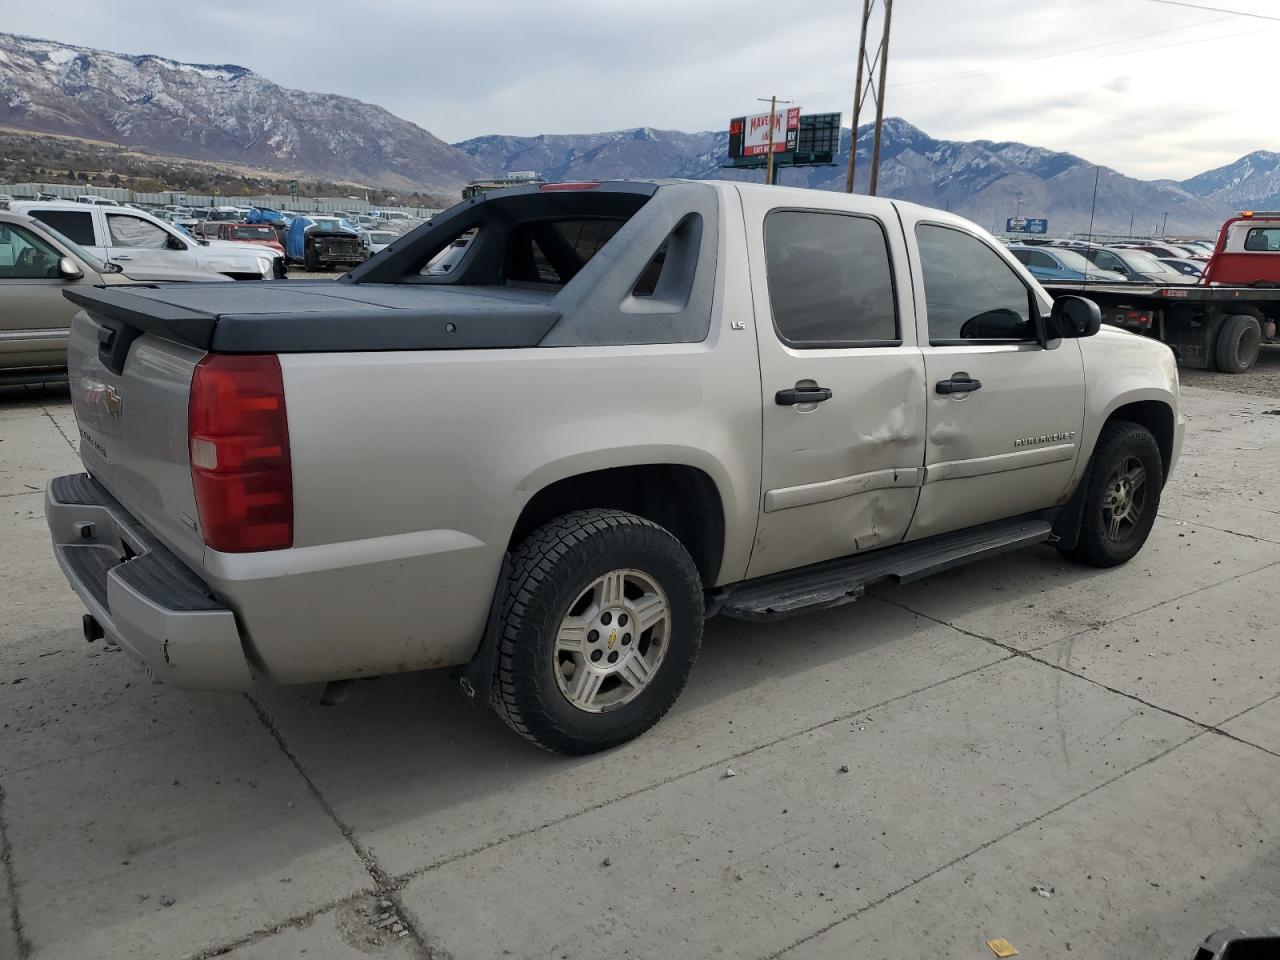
x,y
549,432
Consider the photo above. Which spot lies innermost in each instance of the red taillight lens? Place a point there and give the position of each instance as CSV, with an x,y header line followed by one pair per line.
x,y
239,443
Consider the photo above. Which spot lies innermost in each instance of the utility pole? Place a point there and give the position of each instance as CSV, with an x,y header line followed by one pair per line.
x,y
871,86
773,118
1018,212
1131,223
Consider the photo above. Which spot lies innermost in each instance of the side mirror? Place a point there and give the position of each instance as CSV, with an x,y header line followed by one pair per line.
x,y
68,270
1075,317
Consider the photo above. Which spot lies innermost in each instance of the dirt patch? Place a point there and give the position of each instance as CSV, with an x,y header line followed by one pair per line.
x,y
1262,381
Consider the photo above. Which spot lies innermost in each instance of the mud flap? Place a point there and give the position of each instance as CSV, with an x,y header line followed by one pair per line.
x,y
476,677
1066,525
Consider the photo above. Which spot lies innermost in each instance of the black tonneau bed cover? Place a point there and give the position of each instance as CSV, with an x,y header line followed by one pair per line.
x,y
318,316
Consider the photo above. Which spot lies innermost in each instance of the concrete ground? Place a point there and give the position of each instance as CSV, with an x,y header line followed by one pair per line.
x,y
1086,763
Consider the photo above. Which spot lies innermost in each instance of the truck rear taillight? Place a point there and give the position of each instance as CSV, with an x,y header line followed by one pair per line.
x,y
239,442
1140,317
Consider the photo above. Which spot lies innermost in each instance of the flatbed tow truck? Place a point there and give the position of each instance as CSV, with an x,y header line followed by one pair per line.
x,y
1217,324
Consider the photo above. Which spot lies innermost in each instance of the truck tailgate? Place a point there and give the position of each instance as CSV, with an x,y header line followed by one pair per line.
x,y
133,427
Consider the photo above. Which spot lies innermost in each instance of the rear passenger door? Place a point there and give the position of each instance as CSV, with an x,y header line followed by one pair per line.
x,y
1005,410
842,380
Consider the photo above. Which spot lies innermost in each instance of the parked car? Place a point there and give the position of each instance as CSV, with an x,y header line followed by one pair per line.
x,y
1163,251
1136,266
320,243
207,220
1188,268
375,241
1059,263
36,266
134,236
260,233
698,398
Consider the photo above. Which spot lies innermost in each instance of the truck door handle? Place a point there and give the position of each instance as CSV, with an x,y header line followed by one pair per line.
x,y
959,383
796,395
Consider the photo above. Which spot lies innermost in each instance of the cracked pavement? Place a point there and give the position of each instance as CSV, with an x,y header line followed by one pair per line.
x,y
907,769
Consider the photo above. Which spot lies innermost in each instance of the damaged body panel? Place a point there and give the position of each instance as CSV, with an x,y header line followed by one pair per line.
x,y
795,393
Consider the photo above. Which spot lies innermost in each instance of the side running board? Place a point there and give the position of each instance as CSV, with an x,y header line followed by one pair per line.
x,y
842,581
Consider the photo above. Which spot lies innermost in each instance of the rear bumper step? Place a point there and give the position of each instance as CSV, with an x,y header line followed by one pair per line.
x,y
140,595
838,582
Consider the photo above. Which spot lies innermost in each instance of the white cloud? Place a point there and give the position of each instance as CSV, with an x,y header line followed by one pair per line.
x,y
1145,90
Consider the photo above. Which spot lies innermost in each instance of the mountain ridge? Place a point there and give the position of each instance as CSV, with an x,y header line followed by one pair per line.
x,y
221,112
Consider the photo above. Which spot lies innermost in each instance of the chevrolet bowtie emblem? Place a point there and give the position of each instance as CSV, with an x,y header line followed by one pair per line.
x,y
112,400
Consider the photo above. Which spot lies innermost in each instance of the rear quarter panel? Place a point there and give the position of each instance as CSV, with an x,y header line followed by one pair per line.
x,y
410,470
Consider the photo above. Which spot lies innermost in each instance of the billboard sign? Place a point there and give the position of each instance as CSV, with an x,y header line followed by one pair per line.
x,y
1026,225
749,136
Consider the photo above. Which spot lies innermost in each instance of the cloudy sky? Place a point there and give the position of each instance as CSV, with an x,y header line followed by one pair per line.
x,y
1138,85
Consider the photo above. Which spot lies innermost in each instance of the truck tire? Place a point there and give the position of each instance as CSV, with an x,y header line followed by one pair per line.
x,y
1236,349
1121,497
600,628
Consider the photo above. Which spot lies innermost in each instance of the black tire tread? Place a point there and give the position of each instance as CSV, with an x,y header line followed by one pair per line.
x,y
1117,437
1226,346
533,564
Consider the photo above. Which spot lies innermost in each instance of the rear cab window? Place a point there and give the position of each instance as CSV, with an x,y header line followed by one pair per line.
x,y
548,243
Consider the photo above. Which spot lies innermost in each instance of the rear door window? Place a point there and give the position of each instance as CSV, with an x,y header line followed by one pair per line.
x,y
830,279
75,225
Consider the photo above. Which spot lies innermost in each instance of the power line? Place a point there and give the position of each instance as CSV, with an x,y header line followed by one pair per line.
x,y
1232,13
1060,53
1104,56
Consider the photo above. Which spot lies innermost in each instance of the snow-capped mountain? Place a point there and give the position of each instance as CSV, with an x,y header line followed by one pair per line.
x,y
982,179
233,115
208,112
1252,182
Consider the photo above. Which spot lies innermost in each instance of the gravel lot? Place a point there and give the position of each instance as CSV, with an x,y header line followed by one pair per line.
x,y
1071,759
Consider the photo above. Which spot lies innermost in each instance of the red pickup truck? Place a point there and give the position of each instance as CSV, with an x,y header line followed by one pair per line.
x,y
249,233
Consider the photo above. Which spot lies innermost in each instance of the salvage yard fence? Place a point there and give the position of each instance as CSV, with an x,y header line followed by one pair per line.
x,y
67,191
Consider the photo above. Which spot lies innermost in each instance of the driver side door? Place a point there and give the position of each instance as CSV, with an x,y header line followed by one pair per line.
x,y
34,315
1004,411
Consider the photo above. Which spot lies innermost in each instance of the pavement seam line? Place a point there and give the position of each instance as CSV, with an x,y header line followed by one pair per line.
x,y
1022,825
1207,526
292,923
1122,617
1030,655
11,884
385,886
57,426
404,878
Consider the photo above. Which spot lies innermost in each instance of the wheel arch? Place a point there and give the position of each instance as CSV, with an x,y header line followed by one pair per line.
x,y
1158,417
682,498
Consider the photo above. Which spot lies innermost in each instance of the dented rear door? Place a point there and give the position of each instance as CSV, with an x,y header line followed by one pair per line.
x,y
834,312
